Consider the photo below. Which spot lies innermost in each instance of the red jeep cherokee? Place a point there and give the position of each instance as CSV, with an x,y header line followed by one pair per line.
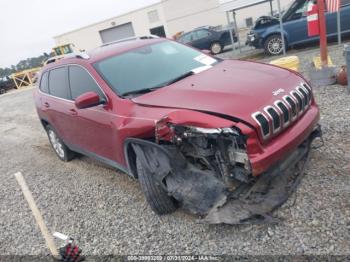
x,y
224,139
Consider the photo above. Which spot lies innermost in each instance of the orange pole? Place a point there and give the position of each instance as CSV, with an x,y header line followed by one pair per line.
x,y
323,32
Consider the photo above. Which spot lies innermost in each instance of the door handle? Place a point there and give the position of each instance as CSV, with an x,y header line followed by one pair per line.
x,y
46,104
73,112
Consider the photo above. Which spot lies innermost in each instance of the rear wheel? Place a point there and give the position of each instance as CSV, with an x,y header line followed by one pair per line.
x,y
160,202
274,45
61,150
216,48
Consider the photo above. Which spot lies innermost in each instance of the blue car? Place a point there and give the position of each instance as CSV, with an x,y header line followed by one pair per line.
x,y
207,38
266,33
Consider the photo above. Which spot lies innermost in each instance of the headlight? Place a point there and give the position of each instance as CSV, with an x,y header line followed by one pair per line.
x,y
201,130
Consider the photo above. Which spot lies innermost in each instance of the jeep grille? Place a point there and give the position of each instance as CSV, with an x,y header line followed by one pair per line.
x,y
278,116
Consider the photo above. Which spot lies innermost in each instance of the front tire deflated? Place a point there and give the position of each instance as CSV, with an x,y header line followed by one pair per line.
x,y
156,196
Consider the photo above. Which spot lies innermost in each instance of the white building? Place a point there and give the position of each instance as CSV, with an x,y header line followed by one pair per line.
x,y
165,18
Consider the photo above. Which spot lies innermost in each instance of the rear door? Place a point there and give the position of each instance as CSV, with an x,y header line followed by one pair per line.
x,y
202,39
58,104
92,127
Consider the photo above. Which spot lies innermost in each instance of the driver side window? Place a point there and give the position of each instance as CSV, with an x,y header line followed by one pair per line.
x,y
81,82
300,12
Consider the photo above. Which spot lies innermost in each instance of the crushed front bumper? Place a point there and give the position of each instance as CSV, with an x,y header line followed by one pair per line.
x,y
254,203
203,193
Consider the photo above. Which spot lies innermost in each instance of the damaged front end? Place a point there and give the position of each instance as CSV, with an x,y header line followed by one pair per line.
x,y
207,170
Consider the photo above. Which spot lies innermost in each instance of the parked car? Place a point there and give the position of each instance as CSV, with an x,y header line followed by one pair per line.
x,y
207,38
266,32
6,84
196,131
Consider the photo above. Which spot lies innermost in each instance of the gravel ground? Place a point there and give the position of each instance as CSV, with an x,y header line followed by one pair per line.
x,y
107,213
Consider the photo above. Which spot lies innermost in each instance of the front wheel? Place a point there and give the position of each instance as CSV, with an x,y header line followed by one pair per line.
x,y
158,199
274,45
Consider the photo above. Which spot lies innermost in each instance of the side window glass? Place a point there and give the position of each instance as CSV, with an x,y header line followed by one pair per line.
x,y
58,84
202,34
44,83
345,2
81,82
186,38
301,11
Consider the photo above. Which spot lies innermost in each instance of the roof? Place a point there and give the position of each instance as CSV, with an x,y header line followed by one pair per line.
x,y
113,49
106,51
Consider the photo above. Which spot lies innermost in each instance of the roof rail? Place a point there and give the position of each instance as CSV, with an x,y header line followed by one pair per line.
x,y
80,55
133,38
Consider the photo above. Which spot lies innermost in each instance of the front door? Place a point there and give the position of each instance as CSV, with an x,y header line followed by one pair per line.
x,y
296,23
92,127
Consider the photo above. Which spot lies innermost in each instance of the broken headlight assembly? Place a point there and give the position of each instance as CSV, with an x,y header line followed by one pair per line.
x,y
220,150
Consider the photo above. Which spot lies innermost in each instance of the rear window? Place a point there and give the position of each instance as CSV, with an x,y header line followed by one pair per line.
x,y
58,83
44,83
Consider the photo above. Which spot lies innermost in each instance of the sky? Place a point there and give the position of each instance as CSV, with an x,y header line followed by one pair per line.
x,y
27,27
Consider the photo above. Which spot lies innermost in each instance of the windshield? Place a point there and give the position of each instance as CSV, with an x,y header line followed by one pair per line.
x,y
151,66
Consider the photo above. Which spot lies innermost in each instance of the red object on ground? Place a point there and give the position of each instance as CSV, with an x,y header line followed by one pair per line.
x,y
323,32
342,76
313,25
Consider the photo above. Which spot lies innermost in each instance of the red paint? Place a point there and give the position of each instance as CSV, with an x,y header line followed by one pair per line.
x,y
234,89
312,19
87,100
323,32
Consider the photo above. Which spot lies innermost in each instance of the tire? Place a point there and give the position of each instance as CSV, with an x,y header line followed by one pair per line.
x,y
216,48
2,91
61,150
273,45
156,196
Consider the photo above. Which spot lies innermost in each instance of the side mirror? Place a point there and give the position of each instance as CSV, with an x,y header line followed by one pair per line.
x,y
89,99
207,52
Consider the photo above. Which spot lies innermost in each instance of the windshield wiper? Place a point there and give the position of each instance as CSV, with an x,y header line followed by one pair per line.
x,y
139,92
172,81
176,79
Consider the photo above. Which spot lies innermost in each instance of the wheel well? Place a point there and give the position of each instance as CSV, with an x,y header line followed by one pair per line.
x,y
44,123
130,156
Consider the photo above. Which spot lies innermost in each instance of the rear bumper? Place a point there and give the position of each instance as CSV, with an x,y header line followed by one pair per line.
x,y
285,143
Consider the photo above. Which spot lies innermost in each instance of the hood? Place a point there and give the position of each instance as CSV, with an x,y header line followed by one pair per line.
x,y
265,21
233,88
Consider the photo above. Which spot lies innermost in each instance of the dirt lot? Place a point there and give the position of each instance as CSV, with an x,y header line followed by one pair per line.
x,y
107,212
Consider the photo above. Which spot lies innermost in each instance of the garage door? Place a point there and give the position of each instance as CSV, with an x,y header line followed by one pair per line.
x,y
117,33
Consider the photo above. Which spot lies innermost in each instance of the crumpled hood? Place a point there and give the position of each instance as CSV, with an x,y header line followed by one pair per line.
x,y
232,87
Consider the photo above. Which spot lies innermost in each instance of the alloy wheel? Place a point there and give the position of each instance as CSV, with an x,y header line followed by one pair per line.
x,y
275,46
56,143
